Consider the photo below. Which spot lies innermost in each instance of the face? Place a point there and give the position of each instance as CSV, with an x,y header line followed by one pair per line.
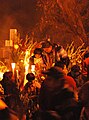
x,y
48,50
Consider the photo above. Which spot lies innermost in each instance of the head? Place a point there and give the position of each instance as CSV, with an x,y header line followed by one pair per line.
x,y
30,77
38,52
8,75
47,46
59,64
75,68
54,78
65,60
54,72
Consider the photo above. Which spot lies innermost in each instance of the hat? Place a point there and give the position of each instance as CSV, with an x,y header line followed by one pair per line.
x,y
46,44
54,72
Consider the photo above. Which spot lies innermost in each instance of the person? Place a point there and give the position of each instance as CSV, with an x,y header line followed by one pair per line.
x,y
31,86
10,89
11,94
56,100
77,75
29,95
38,59
61,64
85,68
69,79
84,98
49,52
54,53
62,55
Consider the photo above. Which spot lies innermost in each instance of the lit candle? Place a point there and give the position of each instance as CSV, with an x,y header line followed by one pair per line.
x,y
33,69
17,74
13,67
26,72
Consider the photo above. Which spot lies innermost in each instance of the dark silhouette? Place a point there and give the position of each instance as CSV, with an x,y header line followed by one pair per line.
x,y
12,94
57,101
77,75
84,98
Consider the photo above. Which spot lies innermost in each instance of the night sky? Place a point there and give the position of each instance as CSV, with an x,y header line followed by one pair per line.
x,y
19,14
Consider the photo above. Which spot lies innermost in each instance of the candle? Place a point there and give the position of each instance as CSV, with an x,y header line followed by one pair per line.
x,y
17,74
33,69
26,71
13,67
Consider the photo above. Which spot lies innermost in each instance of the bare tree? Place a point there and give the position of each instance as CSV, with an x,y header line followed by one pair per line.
x,y
72,18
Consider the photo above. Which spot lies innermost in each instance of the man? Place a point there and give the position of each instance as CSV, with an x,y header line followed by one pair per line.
x,y
54,53
49,53
57,98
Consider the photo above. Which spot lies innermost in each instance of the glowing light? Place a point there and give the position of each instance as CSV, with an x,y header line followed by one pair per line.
x,y
13,67
16,46
1,75
21,61
28,54
33,69
17,74
26,66
3,69
26,72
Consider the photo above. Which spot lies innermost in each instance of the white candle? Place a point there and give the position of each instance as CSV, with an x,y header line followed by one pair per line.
x,y
17,74
13,67
33,68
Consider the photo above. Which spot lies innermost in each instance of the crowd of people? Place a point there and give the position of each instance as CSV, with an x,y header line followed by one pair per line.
x,y
52,92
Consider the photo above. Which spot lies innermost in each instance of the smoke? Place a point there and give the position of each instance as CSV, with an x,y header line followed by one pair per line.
x,y
18,14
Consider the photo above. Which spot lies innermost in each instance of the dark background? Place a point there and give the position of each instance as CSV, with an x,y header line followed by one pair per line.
x,y
24,14
19,14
